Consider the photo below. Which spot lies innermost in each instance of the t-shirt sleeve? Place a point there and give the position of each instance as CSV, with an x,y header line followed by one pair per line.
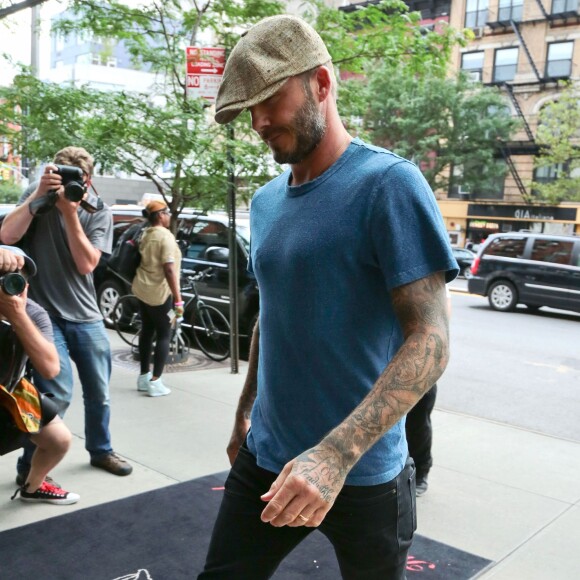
x,y
40,319
408,235
99,230
168,249
27,193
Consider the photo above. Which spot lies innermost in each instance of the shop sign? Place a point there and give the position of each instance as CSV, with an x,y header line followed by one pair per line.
x,y
523,212
480,224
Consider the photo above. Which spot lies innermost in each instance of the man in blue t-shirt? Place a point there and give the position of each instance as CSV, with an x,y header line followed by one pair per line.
x,y
351,258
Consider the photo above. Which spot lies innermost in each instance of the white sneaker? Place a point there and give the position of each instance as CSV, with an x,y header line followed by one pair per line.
x,y
157,388
143,382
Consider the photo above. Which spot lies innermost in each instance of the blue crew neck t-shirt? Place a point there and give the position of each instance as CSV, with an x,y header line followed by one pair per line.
x,y
326,255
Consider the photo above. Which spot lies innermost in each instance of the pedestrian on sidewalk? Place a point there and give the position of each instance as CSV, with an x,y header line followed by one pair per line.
x,y
156,286
351,257
26,331
68,240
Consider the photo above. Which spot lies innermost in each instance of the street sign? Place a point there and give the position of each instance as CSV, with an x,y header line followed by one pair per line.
x,y
205,68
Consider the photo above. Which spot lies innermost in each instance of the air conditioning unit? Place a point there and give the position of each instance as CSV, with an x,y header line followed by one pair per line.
x,y
477,31
462,192
475,76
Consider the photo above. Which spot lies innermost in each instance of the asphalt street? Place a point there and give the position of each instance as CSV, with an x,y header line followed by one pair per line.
x,y
516,368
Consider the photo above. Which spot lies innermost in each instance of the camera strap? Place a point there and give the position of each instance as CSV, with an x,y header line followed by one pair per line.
x,y
99,202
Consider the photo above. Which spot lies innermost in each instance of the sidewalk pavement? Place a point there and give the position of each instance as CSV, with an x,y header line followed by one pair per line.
x,y
500,492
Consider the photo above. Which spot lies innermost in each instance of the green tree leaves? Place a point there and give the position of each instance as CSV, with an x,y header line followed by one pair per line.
x,y
559,133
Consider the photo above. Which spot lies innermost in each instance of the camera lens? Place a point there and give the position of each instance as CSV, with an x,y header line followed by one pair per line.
x,y
13,283
74,191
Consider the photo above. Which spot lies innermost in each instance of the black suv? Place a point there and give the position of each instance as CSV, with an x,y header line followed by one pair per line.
x,y
526,268
204,243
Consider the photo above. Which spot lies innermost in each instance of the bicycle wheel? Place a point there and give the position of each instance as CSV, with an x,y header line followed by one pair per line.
x,y
211,331
127,319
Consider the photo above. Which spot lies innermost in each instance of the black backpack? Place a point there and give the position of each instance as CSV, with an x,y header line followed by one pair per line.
x,y
126,258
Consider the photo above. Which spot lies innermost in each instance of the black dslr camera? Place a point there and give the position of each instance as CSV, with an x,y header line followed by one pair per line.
x,y
72,180
74,190
13,283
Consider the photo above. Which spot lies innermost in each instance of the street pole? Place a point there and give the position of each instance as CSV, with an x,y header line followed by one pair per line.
x,y
233,255
35,68
34,39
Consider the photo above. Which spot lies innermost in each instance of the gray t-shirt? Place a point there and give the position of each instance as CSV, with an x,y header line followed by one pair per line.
x,y
12,355
58,286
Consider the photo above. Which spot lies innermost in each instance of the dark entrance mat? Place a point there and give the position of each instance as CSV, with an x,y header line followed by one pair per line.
x,y
164,534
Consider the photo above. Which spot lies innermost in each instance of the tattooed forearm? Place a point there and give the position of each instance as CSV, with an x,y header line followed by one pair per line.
x,y
248,395
421,308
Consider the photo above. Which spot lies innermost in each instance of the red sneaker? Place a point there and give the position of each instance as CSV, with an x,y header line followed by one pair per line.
x,y
48,493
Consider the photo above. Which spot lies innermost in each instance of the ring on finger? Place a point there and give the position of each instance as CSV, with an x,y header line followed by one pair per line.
x,y
303,518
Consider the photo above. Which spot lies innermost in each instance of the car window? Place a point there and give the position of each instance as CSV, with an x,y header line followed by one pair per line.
x,y
199,235
553,251
244,235
506,247
462,254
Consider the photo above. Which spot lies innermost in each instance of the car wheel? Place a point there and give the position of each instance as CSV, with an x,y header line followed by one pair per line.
x,y
108,295
503,296
467,273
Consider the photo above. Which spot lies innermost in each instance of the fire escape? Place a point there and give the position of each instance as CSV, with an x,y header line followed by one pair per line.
x,y
507,20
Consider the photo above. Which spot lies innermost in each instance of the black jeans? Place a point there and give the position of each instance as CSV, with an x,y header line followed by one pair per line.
x,y
371,528
419,432
155,323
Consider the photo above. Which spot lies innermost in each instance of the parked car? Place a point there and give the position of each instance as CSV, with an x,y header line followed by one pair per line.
x,y
203,239
464,258
526,268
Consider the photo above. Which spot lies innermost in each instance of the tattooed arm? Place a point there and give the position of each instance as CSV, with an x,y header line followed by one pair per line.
x,y
309,484
247,398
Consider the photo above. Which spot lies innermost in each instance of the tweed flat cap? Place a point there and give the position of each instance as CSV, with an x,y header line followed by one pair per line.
x,y
266,56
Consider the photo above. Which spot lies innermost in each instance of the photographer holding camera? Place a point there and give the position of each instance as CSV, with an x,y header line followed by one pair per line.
x,y
26,332
60,232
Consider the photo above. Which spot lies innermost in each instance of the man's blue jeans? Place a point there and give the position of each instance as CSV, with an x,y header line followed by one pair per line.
x,y
87,344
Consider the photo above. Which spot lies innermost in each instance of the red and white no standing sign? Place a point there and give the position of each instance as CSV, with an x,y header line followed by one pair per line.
x,y
205,68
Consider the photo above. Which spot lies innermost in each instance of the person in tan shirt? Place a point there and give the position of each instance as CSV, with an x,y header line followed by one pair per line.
x,y
156,286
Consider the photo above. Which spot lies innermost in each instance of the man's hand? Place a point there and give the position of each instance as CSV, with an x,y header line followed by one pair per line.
x,y
10,262
239,433
49,181
13,308
306,489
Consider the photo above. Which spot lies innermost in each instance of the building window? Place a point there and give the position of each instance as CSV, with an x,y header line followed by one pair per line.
x,y
472,64
85,58
475,13
564,6
510,10
549,173
96,59
506,64
84,37
559,61
4,147
59,42
112,61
